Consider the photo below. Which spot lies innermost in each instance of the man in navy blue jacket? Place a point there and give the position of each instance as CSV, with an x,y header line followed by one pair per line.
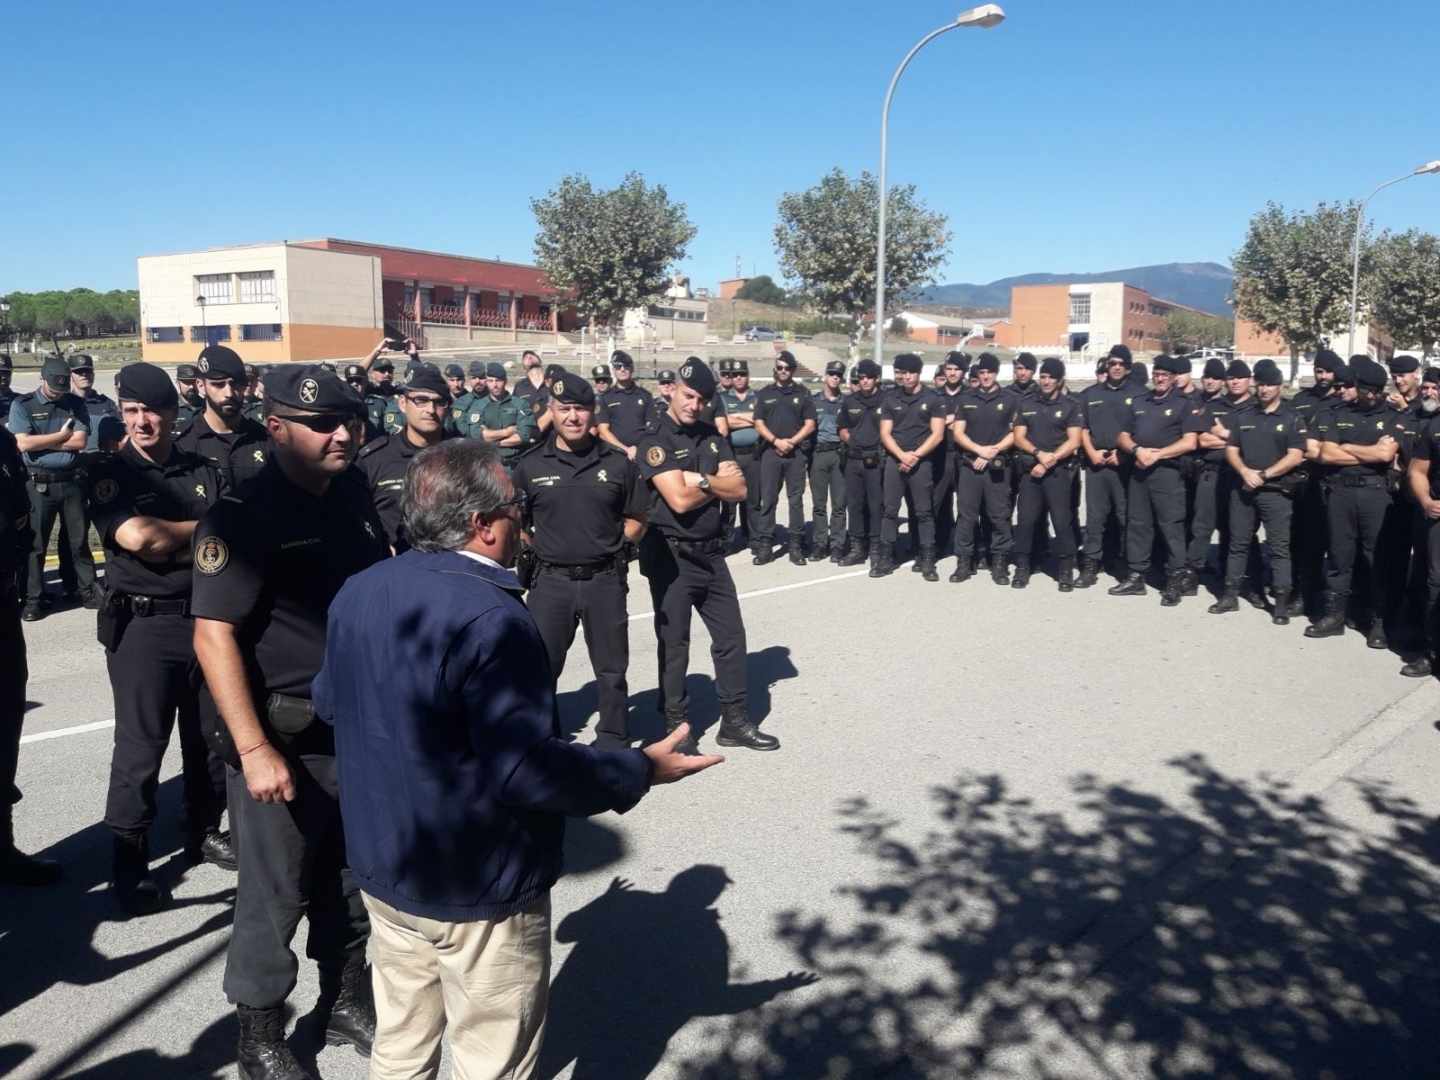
x,y
454,779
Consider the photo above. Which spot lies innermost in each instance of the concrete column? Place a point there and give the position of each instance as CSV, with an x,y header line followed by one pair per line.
x,y
419,305
469,307
515,299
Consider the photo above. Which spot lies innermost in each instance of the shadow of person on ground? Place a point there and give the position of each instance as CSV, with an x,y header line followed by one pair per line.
x,y
643,965
210,1058
1243,931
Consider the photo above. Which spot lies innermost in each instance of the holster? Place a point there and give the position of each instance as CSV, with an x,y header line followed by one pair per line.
x,y
527,566
111,618
870,458
288,716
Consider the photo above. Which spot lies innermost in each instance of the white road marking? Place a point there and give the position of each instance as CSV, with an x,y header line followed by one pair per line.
x,y
60,733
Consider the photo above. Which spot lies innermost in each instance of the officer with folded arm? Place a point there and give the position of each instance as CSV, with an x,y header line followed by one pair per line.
x,y
859,426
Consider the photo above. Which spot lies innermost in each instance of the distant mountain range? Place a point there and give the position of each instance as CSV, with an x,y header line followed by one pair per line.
x,y
1199,285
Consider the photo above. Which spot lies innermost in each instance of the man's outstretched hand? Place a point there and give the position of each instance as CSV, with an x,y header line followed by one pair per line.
x,y
670,765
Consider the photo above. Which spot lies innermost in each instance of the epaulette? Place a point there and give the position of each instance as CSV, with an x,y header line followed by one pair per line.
x,y
373,445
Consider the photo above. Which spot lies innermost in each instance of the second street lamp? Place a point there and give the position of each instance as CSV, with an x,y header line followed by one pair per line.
x,y
1422,170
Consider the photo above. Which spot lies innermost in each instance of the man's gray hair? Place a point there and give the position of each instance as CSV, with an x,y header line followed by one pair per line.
x,y
444,486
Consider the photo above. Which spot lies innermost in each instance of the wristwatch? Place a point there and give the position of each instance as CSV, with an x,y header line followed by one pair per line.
x,y
704,484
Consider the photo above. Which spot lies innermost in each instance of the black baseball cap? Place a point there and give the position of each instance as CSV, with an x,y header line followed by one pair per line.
x,y
186,373
81,362
665,375
600,371
56,373
383,363
454,371
835,367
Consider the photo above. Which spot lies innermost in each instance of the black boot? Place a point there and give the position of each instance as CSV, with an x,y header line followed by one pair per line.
x,y
797,553
964,569
352,1016
926,561
1133,585
762,553
1174,589
882,559
1089,574
1376,638
1418,668
1190,582
263,1052
1280,612
1022,574
212,846
1332,623
737,730
998,572
688,745
1065,575
837,551
855,555
1296,606
1229,600
135,890
17,868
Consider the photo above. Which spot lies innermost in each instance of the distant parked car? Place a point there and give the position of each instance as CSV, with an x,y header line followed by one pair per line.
x,y
760,333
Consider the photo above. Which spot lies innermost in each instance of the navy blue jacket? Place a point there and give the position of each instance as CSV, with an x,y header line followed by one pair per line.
x,y
454,780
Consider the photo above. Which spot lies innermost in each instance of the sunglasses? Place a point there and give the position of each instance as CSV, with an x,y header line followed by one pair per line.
x,y
321,423
520,499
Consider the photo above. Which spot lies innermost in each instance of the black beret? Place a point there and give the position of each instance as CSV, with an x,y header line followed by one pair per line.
x,y
1367,372
383,363
1025,360
1053,366
454,371
868,369
740,367
495,370
600,371
412,364
554,371
908,361
696,374
56,373
1214,368
835,367
958,359
1432,374
1238,369
429,377
1173,364
218,362
147,384
1138,374
1343,376
571,389
313,389
621,358
1267,372
1326,360
477,369
1120,352
1399,365
354,371
81,362
787,358
665,375
987,362
186,373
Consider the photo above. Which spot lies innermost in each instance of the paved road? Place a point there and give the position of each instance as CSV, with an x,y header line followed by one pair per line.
x,y
1008,834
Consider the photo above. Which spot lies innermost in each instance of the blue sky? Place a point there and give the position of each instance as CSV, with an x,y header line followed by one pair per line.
x,y
1076,136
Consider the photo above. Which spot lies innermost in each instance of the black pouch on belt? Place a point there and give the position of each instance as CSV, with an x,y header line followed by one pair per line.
x,y
870,459
111,619
288,716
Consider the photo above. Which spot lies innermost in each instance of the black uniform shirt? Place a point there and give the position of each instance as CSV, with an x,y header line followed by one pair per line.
x,y
239,455
270,561
1307,401
1427,448
578,501
627,411
125,485
1412,420
1106,412
1024,394
1263,438
988,416
911,415
693,448
860,415
14,514
525,390
1353,423
106,427
950,403
1220,407
1047,420
384,463
1156,421
784,408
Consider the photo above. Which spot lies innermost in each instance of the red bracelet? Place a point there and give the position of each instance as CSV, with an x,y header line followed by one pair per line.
x,y
262,742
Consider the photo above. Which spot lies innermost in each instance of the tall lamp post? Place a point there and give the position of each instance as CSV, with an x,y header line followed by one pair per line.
x,y
1421,170
984,17
204,326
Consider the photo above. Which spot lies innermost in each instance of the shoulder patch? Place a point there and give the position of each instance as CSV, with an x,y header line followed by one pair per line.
x,y
211,555
105,489
655,456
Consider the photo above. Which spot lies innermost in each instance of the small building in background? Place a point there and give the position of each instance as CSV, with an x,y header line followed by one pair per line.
x,y
1087,318
935,328
730,286
1251,342
679,319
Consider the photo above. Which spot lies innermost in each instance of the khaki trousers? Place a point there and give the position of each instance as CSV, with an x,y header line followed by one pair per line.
x,y
486,983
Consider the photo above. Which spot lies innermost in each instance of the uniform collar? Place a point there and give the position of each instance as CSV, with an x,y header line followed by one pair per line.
x,y
472,564
584,457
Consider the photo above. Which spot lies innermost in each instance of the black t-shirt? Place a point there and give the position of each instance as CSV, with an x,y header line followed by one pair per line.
x,y
1357,425
911,415
1105,409
1263,438
14,511
239,455
1220,407
384,463
1156,420
1024,393
271,559
578,501
1427,448
1047,420
988,416
693,448
125,485
1412,420
860,415
626,410
1307,401
783,409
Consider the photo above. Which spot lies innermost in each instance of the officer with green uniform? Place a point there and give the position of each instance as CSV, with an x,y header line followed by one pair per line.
x,y
504,419
735,419
192,402
827,468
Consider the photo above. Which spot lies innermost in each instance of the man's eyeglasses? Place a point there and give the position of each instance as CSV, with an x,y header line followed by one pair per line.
x,y
320,423
520,499
429,400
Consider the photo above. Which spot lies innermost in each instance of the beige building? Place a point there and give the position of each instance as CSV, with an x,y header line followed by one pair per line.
x,y
678,319
268,302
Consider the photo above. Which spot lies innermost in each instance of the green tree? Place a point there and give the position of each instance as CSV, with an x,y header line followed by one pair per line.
x,y
50,312
83,309
1186,331
1292,273
898,326
763,290
610,250
1404,288
827,239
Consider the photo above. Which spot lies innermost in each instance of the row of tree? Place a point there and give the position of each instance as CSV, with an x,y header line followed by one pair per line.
x,y
76,313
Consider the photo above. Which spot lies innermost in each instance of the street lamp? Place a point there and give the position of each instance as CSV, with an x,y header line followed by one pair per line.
x,y
1420,170
983,17
204,326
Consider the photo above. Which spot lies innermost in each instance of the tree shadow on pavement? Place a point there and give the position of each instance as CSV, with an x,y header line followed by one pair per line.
x,y
1247,931
209,1058
643,965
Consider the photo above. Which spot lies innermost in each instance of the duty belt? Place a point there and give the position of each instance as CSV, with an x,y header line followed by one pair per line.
x,y
1368,480
828,445
145,606
48,476
709,547
745,449
583,571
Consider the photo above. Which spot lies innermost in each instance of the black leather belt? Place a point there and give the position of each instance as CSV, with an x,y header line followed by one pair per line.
x,y
1361,481
46,476
828,445
145,606
582,572
708,547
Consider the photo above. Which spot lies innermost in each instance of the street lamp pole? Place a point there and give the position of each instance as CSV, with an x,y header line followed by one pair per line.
x,y
204,326
1422,170
984,17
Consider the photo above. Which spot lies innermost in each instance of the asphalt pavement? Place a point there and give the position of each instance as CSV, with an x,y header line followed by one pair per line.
x,y
1009,833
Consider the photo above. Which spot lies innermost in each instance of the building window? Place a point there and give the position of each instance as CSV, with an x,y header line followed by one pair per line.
x,y
166,333
256,286
1080,308
502,305
261,332
215,288
209,335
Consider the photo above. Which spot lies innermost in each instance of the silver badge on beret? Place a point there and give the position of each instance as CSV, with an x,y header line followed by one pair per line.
x,y
204,364
309,391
